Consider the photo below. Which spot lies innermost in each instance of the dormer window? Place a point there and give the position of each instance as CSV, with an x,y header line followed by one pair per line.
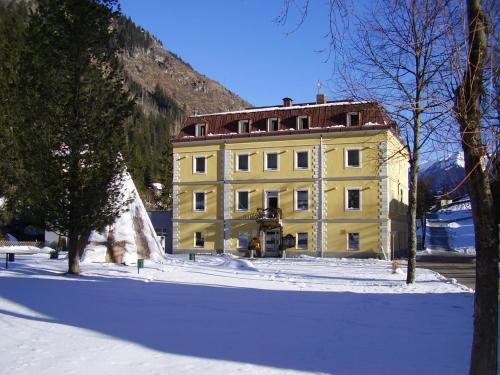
x,y
272,124
201,130
353,119
302,122
244,126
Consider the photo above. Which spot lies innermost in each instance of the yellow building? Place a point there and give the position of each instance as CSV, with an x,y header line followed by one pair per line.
x,y
334,175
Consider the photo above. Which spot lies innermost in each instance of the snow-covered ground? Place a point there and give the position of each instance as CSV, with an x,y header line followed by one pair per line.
x,y
222,315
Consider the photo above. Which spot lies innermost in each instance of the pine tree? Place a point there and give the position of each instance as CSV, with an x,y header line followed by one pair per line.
x,y
74,107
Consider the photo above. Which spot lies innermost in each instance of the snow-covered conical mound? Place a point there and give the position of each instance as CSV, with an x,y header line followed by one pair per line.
x,y
130,237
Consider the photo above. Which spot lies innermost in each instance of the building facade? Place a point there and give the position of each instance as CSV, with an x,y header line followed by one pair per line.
x,y
334,175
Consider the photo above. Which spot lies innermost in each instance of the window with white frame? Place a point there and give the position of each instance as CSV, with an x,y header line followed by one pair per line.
x,y
271,160
353,119
302,122
243,240
301,159
242,201
302,240
199,201
301,200
272,124
353,199
244,126
199,239
201,130
199,164
353,158
353,241
243,162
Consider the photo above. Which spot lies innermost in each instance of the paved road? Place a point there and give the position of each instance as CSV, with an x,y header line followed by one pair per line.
x,y
465,273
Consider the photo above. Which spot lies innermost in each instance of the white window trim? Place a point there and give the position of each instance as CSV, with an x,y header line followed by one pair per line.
x,y
359,242
236,159
194,240
346,159
348,118
271,191
277,161
297,241
204,201
194,163
240,123
296,160
238,245
269,123
360,198
237,200
296,200
197,129
298,122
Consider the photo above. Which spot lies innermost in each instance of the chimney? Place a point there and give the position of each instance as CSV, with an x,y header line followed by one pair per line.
x,y
321,99
287,102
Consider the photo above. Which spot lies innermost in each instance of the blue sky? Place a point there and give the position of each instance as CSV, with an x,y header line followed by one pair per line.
x,y
238,43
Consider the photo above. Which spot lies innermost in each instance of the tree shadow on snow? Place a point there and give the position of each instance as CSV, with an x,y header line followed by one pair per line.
x,y
328,332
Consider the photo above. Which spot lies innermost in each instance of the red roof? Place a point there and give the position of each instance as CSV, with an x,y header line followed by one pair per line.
x,y
328,117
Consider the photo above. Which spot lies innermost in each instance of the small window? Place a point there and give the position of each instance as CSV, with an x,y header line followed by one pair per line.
x,y
199,201
243,240
353,158
242,162
200,164
244,126
272,124
271,159
302,240
242,203
353,241
353,119
199,239
302,122
353,197
201,130
302,200
302,160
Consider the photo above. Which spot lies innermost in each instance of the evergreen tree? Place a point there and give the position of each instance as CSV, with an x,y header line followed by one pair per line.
x,y
74,107
12,29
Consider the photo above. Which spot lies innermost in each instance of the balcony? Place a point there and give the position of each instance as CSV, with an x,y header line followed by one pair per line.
x,y
268,218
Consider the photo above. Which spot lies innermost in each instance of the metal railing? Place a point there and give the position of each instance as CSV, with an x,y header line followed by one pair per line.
x,y
269,214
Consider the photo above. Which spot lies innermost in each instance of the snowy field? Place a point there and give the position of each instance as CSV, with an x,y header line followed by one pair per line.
x,y
221,315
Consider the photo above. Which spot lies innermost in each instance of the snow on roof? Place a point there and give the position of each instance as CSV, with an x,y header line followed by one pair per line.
x,y
281,108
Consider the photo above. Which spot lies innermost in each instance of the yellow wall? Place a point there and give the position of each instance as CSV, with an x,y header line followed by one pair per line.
x,y
335,194
211,232
337,236
337,178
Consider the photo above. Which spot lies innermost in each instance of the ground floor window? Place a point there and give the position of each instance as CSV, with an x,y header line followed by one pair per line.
x,y
353,241
199,239
302,240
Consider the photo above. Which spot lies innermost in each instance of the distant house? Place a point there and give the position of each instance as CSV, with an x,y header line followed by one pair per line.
x,y
326,173
162,224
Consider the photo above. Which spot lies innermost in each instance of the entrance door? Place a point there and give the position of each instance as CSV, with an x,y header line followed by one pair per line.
x,y
272,242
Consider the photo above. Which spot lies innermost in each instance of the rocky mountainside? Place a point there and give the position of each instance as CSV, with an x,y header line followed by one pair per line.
x,y
149,64
443,176
166,90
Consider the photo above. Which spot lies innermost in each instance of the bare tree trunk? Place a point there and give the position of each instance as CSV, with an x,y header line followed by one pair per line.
x,y
73,253
412,226
485,341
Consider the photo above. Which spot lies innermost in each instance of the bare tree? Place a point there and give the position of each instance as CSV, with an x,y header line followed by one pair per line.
x,y
471,105
397,58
